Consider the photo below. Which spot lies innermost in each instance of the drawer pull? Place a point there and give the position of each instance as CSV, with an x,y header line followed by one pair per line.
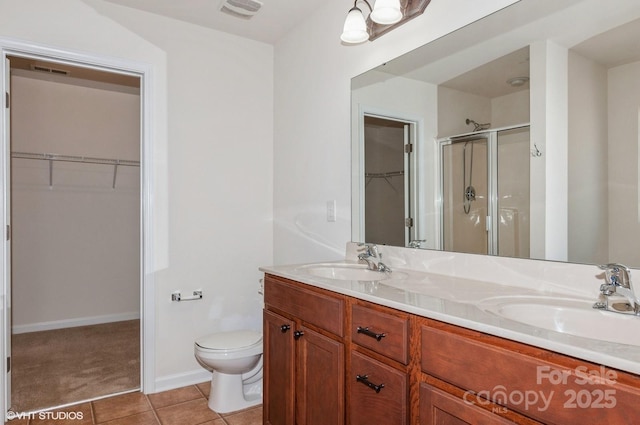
x,y
372,334
365,380
285,328
297,334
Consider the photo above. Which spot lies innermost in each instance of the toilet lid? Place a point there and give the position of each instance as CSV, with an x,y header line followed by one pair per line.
x,y
229,340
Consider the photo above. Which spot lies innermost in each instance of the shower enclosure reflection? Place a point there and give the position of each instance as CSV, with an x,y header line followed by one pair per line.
x,y
484,182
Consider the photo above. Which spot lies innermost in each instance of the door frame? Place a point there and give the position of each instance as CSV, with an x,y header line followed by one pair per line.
x,y
358,180
9,47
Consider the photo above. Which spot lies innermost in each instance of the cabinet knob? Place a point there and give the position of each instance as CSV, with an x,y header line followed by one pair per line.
x,y
367,332
285,328
365,380
297,334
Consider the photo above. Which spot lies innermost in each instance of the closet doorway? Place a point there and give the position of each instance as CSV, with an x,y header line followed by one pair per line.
x,y
75,234
389,180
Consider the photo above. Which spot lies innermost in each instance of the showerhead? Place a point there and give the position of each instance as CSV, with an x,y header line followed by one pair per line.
x,y
476,126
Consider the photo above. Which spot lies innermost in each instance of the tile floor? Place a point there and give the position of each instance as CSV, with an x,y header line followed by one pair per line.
x,y
182,406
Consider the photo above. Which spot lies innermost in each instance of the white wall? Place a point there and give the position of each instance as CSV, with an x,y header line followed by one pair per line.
x,y
312,139
411,100
455,106
588,158
549,133
76,243
624,139
212,136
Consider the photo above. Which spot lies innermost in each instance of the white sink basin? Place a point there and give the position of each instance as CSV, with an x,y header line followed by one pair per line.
x,y
567,315
341,271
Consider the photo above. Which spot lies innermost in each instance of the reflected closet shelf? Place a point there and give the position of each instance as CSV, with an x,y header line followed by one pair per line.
x,y
79,159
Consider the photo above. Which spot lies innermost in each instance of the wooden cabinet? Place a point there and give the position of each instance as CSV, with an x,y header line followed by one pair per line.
x,y
381,330
324,351
304,361
544,386
378,392
440,408
279,370
378,374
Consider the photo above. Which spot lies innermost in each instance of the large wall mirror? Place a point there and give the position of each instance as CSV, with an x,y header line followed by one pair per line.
x,y
517,135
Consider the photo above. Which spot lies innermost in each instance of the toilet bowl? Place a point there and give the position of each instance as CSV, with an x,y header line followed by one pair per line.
x,y
235,359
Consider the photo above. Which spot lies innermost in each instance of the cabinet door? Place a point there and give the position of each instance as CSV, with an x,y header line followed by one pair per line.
x,y
440,408
279,366
378,393
319,379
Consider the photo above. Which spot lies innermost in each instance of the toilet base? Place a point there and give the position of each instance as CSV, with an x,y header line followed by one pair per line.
x,y
228,394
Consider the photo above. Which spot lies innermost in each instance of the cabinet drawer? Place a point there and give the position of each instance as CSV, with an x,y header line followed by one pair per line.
x,y
381,332
385,404
313,307
545,386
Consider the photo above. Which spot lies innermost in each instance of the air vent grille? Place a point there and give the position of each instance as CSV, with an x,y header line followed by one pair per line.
x,y
41,68
245,9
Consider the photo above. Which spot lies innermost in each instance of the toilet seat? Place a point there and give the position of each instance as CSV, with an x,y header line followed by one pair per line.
x,y
230,341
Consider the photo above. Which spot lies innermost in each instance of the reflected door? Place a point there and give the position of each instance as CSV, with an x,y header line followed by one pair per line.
x,y
387,195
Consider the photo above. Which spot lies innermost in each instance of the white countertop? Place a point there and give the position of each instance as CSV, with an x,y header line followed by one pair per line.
x,y
459,301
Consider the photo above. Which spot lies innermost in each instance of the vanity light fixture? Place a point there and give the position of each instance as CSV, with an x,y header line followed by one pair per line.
x,y
383,12
384,16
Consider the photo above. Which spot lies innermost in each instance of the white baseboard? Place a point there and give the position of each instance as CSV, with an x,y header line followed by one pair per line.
x,y
171,382
71,323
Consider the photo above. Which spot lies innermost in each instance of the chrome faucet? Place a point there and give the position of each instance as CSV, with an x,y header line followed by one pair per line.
x,y
372,256
617,282
416,243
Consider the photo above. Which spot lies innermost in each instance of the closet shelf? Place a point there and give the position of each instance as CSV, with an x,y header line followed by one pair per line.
x,y
384,175
71,158
51,157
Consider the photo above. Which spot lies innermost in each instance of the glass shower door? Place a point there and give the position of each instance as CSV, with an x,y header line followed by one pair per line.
x,y
465,189
485,193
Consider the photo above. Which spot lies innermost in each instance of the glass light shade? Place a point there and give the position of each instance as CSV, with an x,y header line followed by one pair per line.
x,y
386,12
355,28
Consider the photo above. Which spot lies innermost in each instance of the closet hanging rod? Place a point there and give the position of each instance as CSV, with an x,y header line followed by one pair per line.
x,y
72,158
384,175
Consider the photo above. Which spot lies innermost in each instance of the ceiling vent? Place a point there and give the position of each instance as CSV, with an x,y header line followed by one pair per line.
x,y
244,9
41,68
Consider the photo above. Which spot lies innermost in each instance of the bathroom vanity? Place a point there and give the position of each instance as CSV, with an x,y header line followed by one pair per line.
x,y
416,347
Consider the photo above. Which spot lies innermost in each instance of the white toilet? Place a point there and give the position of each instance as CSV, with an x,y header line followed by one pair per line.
x,y
236,361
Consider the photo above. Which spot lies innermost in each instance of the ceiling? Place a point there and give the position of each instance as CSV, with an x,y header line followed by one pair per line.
x,y
274,19
612,48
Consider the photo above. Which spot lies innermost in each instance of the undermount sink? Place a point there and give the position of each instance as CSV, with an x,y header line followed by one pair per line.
x,y
343,271
571,316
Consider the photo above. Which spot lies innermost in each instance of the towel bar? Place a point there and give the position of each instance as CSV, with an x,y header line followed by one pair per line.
x,y
176,296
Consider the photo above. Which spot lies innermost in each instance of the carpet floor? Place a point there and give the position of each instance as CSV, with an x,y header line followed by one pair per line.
x,y
52,368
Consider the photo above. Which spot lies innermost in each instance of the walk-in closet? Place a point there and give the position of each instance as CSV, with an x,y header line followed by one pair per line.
x,y
75,234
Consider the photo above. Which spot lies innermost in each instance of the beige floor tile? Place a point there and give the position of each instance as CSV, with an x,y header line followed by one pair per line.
x,y
171,397
144,418
120,406
252,416
215,422
205,388
188,413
